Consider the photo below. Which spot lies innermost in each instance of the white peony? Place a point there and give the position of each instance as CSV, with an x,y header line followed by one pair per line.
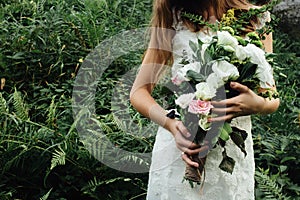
x,y
226,40
225,70
204,91
184,100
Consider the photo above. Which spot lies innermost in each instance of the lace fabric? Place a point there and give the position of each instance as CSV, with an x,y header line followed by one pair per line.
x,y
167,168
167,171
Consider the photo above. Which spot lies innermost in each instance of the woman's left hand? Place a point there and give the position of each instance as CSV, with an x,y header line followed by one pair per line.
x,y
246,103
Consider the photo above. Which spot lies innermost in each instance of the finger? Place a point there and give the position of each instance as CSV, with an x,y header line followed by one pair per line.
x,y
222,118
197,151
186,159
183,144
220,110
224,103
231,109
184,131
239,87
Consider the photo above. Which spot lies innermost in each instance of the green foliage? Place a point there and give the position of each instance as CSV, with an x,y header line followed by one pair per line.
x,y
20,108
269,186
276,136
41,154
42,45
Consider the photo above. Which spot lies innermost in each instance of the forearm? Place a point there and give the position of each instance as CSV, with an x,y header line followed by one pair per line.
x,y
144,103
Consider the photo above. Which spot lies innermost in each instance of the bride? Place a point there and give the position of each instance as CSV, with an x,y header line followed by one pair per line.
x,y
170,36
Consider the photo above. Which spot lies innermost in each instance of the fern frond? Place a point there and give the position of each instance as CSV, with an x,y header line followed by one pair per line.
x,y
3,105
21,109
51,113
40,6
135,159
269,186
94,183
58,158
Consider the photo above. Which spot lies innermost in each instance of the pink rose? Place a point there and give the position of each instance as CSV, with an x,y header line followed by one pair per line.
x,y
200,107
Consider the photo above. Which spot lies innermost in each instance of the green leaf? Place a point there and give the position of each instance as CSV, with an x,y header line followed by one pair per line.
x,y
283,168
247,71
192,75
227,163
239,136
193,46
224,135
287,159
46,196
225,131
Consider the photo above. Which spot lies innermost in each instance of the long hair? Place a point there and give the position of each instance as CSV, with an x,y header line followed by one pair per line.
x,y
166,11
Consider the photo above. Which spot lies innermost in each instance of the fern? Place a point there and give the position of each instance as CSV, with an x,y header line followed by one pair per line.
x,y
51,114
40,6
94,183
269,186
21,110
3,106
58,158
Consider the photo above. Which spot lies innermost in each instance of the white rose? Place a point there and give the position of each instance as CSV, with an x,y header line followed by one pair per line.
x,y
204,91
214,81
241,52
225,70
265,76
256,54
184,100
227,40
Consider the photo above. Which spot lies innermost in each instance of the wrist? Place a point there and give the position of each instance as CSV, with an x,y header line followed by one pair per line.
x,y
268,106
262,106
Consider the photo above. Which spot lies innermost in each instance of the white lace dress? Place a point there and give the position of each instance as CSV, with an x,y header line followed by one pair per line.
x,y
167,168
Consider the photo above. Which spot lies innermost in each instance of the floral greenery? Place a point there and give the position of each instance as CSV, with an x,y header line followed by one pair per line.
x,y
238,20
42,43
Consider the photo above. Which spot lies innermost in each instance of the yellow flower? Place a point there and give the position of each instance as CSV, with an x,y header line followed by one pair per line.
x,y
228,18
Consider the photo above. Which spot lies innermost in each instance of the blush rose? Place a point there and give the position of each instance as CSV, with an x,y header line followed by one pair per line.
x,y
200,107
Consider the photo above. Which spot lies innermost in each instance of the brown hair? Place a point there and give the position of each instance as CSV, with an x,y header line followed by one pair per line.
x,y
166,11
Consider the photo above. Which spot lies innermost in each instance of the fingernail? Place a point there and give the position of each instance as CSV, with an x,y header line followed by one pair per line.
x,y
209,119
232,84
188,134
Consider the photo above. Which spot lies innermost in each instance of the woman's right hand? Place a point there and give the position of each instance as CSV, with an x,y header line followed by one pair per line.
x,y
184,141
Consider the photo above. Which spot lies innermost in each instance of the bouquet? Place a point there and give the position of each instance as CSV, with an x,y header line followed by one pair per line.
x,y
219,58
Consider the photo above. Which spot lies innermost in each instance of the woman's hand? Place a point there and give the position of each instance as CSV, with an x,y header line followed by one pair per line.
x,y
246,103
184,142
